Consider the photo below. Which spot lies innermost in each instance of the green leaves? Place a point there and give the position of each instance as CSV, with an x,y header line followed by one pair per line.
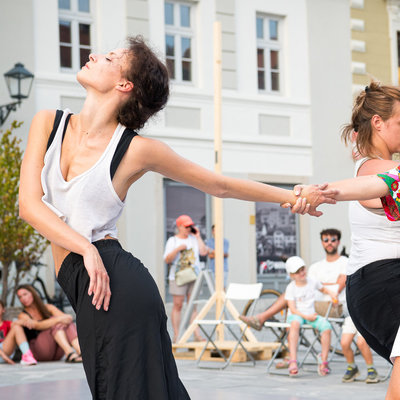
x,y
19,242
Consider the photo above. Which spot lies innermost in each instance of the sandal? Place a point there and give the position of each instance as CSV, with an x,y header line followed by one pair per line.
x,y
283,364
73,360
293,368
323,367
253,322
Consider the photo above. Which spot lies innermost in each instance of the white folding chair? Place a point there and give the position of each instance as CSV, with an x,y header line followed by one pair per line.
x,y
236,291
281,331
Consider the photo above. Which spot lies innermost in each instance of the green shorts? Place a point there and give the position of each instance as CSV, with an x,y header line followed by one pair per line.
x,y
320,323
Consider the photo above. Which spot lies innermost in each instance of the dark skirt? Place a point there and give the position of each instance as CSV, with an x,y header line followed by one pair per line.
x,y
126,351
373,300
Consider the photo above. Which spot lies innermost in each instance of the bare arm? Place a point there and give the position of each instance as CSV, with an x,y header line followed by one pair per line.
x,y
158,157
341,281
360,188
39,216
372,167
203,249
26,321
329,292
294,310
5,357
171,256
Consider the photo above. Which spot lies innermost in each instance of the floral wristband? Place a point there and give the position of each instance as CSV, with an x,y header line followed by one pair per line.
x,y
391,202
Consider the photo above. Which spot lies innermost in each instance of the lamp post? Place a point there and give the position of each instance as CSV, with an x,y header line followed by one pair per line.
x,y
19,83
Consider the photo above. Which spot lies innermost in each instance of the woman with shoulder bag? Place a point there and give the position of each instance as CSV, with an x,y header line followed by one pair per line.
x,y
182,251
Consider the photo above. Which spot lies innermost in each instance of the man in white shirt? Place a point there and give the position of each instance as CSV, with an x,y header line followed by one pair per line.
x,y
331,272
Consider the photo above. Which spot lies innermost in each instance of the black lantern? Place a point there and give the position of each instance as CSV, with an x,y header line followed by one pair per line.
x,y
19,83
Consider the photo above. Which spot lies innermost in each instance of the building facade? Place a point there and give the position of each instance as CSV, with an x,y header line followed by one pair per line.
x,y
286,91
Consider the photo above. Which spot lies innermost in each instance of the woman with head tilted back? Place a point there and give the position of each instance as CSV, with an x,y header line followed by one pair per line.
x,y
75,175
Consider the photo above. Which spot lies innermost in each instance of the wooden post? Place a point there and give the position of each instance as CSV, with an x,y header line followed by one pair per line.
x,y
217,202
219,295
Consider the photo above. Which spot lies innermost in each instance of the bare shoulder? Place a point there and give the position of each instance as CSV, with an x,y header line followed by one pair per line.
x,y
372,167
23,315
147,150
42,122
52,308
146,144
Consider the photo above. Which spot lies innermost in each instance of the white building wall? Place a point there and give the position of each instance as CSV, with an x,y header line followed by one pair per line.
x,y
331,99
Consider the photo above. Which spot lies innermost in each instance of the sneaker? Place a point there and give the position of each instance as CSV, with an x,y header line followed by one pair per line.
x,y
372,376
28,359
253,322
351,374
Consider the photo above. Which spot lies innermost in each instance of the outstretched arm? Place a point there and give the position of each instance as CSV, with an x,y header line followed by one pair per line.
x,y
360,188
158,157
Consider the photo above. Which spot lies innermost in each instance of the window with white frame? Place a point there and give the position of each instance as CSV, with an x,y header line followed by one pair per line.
x,y
269,51
179,40
75,22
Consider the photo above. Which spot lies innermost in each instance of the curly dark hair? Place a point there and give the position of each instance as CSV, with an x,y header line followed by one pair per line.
x,y
150,85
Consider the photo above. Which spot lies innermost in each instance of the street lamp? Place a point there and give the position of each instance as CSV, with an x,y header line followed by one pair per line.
x,y
19,83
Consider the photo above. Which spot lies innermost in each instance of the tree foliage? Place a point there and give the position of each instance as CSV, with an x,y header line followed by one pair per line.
x,y
20,244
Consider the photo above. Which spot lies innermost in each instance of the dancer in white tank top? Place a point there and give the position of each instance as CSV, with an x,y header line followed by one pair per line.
x,y
373,281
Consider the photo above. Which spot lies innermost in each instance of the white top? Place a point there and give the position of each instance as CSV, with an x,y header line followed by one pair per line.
x,y
191,243
373,236
304,296
328,272
88,203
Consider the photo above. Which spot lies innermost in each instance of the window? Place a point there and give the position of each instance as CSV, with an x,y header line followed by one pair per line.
x,y
276,237
74,33
179,41
269,53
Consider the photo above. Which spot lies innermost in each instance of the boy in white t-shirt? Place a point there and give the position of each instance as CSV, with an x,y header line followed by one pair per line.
x,y
300,295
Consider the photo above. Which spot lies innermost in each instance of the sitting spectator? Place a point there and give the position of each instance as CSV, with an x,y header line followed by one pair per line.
x,y
50,332
300,295
210,243
329,271
349,331
11,336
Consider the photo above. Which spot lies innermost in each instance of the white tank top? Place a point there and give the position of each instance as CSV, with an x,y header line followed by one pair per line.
x,y
88,203
373,236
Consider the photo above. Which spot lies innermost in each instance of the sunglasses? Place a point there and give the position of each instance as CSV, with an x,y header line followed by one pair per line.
x,y
332,240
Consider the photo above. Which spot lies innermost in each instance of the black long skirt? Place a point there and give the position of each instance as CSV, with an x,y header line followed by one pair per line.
x,y
126,350
373,300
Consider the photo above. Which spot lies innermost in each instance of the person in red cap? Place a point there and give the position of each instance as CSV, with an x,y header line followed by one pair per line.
x,y
187,245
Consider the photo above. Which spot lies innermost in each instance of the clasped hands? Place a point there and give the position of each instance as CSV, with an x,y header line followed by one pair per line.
x,y
309,197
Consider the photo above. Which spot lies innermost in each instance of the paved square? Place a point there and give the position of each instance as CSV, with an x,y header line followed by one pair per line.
x,y
61,381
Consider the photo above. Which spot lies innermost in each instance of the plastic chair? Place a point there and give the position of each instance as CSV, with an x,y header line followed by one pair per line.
x,y
236,291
